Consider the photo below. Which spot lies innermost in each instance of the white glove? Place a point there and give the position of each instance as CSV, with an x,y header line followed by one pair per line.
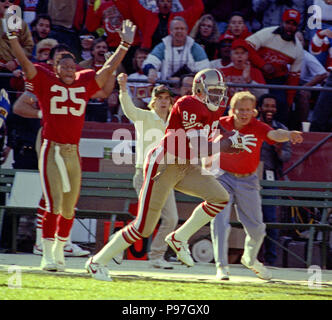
x,y
127,32
12,22
242,142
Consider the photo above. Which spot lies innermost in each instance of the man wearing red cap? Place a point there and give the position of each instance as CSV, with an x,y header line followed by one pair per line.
x,y
241,70
280,55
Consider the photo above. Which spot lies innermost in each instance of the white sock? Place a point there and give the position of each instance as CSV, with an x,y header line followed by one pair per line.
x,y
58,247
115,246
39,233
197,220
47,245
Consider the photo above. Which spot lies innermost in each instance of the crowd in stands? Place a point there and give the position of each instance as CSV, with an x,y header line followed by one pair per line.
x,y
278,42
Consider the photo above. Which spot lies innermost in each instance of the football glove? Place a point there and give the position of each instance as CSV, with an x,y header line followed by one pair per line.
x,y
242,141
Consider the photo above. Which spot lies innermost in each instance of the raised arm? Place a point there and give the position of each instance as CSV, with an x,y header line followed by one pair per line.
x,y
27,66
129,109
127,34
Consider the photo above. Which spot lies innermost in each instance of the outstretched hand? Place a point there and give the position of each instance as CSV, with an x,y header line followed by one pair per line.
x,y
127,32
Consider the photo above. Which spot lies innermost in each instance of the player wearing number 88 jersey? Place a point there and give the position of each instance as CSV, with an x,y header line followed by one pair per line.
x,y
62,97
167,167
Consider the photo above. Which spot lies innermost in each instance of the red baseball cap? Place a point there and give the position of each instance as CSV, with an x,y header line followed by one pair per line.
x,y
240,43
226,37
291,14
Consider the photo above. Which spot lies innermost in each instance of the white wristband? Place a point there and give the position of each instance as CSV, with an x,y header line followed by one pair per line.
x,y
39,114
123,47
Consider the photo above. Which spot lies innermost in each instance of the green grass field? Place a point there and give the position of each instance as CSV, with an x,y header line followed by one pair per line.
x,y
55,287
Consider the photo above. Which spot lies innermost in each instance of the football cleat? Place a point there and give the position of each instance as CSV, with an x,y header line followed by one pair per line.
x,y
97,271
259,269
48,265
222,273
160,264
70,250
181,249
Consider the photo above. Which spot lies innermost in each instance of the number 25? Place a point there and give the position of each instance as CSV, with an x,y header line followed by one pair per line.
x,y
64,97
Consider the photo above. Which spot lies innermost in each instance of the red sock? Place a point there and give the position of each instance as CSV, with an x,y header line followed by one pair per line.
x,y
49,225
64,227
40,213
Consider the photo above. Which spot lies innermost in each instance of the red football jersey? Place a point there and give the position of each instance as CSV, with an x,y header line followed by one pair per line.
x,y
189,114
63,106
245,162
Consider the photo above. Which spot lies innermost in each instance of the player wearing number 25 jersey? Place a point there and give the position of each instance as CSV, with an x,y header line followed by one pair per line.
x,y
167,168
63,106
62,97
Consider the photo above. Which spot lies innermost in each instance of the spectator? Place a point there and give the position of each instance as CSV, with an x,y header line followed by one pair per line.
x,y
320,46
236,28
29,8
98,50
280,66
321,19
186,84
223,9
86,39
241,70
8,63
44,48
177,54
322,113
41,27
140,92
97,109
205,32
242,183
152,5
67,20
109,16
5,236
154,26
273,157
223,53
21,138
272,11
312,74
146,122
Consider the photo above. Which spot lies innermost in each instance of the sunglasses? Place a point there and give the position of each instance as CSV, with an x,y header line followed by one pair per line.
x,y
11,1
87,37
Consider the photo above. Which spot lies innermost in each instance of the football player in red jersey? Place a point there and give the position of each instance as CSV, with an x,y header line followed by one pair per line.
x,y
62,97
173,165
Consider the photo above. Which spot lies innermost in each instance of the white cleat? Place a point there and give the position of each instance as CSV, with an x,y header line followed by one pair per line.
x,y
160,264
48,265
73,250
97,271
38,250
59,260
259,269
70,250
222,273
181,249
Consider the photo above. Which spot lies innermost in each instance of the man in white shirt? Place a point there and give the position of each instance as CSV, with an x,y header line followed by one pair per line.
x,y
312,74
